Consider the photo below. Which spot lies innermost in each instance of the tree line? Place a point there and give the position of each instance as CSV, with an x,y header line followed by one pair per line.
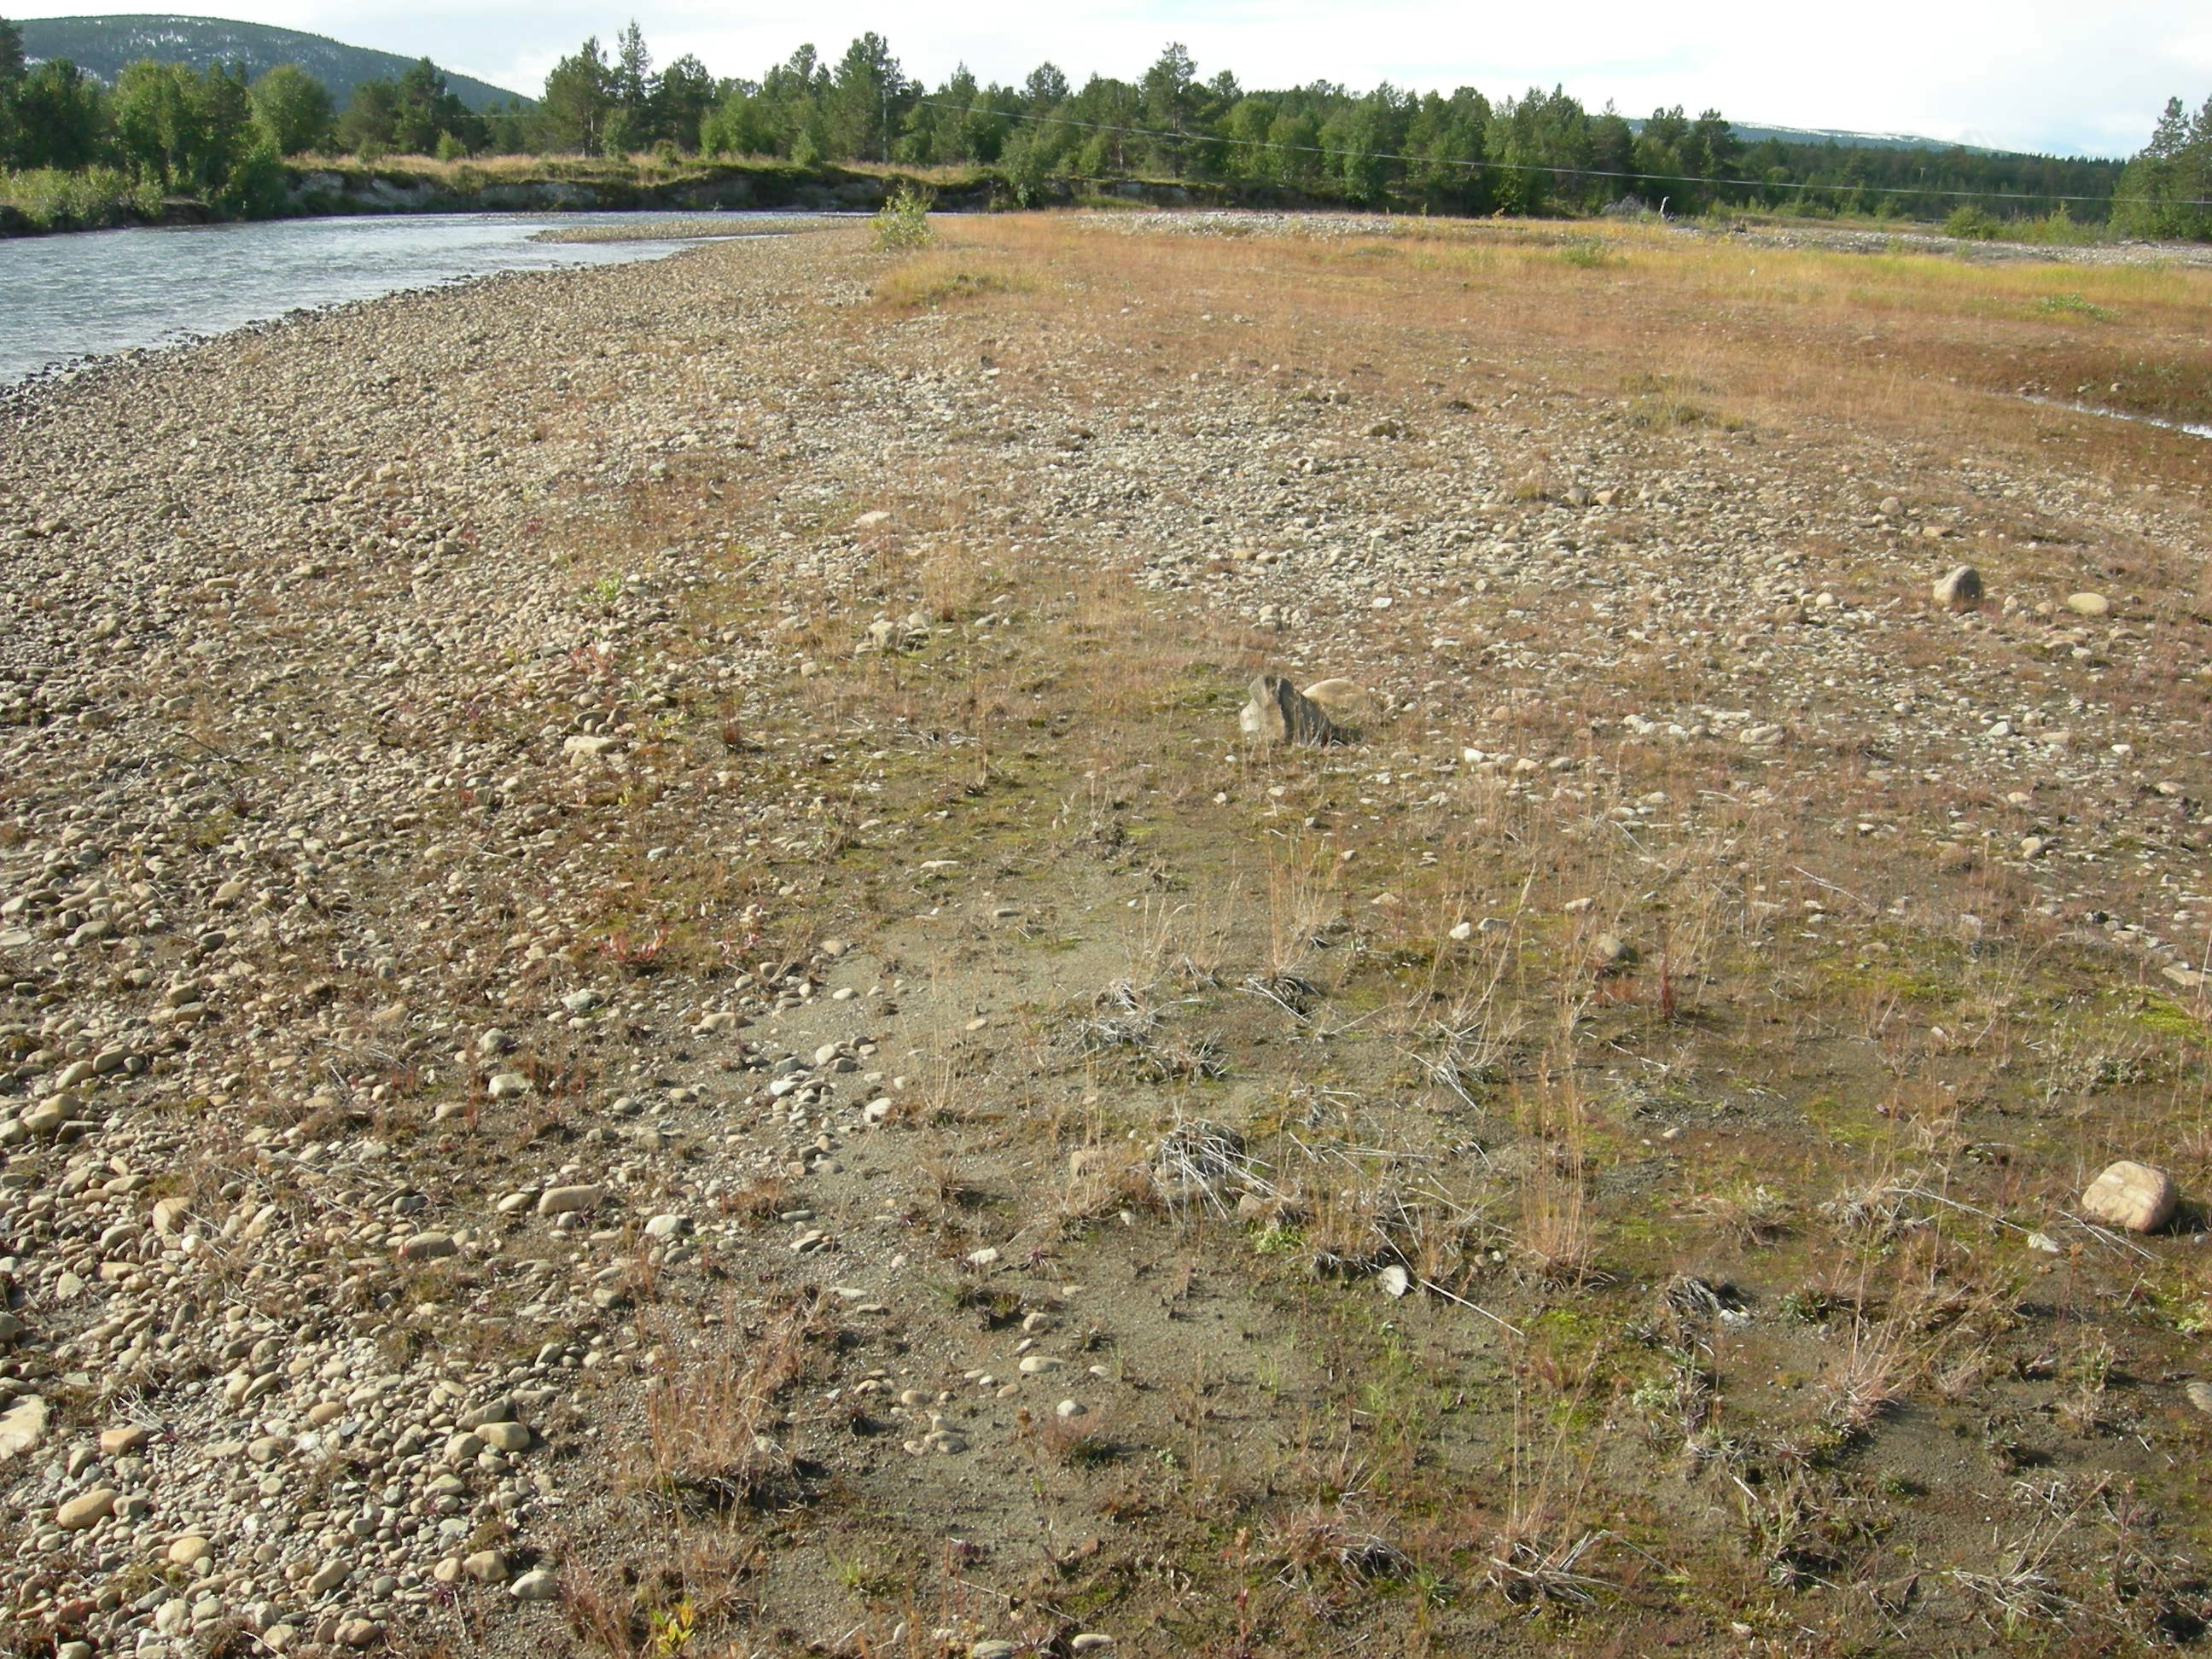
x,y
212,134
2166,191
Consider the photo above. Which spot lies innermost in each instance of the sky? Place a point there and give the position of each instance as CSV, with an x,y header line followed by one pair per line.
x,y
2053,75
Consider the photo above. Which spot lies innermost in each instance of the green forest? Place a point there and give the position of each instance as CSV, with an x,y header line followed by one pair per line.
x,y
166,130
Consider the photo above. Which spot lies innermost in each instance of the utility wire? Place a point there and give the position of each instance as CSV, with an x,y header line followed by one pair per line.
x,y
1533,167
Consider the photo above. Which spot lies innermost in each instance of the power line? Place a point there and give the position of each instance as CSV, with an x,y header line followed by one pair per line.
x,y
1533,167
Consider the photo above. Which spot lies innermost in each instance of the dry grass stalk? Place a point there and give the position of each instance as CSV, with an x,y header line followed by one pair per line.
x,y
708,1409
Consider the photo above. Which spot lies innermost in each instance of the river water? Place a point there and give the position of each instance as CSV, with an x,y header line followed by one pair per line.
x,y
89,295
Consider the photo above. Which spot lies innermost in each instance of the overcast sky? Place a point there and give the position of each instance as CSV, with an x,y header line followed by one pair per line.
x,y
2045,75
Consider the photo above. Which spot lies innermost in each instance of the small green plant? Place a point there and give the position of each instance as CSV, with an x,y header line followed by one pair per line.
x,y
1805,1306
1586,253
2058,228
903,223
671,1629
1662,401
1971,224
2073,305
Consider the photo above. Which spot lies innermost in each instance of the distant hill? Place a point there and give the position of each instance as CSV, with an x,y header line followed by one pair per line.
x,y
104,45
1760,135
1855,140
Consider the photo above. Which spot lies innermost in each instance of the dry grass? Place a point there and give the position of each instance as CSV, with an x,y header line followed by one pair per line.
x,y
1897,343
710,1408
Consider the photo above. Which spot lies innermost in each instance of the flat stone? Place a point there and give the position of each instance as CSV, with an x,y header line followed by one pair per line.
x,y
22,1427
188,1551
119,1441
566,1201
498,1408
505,1436
2088,604
327,1577
86,1509
535,1585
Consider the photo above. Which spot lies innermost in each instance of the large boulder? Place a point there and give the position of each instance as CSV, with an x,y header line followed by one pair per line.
x,y
2134,1197
1959,589
1279,713
1348,702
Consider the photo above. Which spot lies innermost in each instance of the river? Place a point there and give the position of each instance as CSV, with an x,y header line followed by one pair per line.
x,y
63,298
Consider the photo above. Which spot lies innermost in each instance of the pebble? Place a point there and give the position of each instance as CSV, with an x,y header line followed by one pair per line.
x,y
86,1509
569,1200
535,1585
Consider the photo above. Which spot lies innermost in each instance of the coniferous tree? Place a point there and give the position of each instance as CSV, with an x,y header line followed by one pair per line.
x,y
579,97
371,118
11,77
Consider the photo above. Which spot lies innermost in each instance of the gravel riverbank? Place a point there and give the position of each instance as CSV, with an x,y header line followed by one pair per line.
x,y
441,1062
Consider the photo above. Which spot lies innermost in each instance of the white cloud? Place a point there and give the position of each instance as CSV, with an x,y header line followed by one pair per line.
x,y
2030,74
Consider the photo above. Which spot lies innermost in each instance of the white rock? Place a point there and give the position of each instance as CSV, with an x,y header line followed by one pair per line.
x,y
2135,1197
22,1426
1346,702
566,1201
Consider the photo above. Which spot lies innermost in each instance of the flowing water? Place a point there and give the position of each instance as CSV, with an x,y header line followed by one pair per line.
x,y
67,297
2190,427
